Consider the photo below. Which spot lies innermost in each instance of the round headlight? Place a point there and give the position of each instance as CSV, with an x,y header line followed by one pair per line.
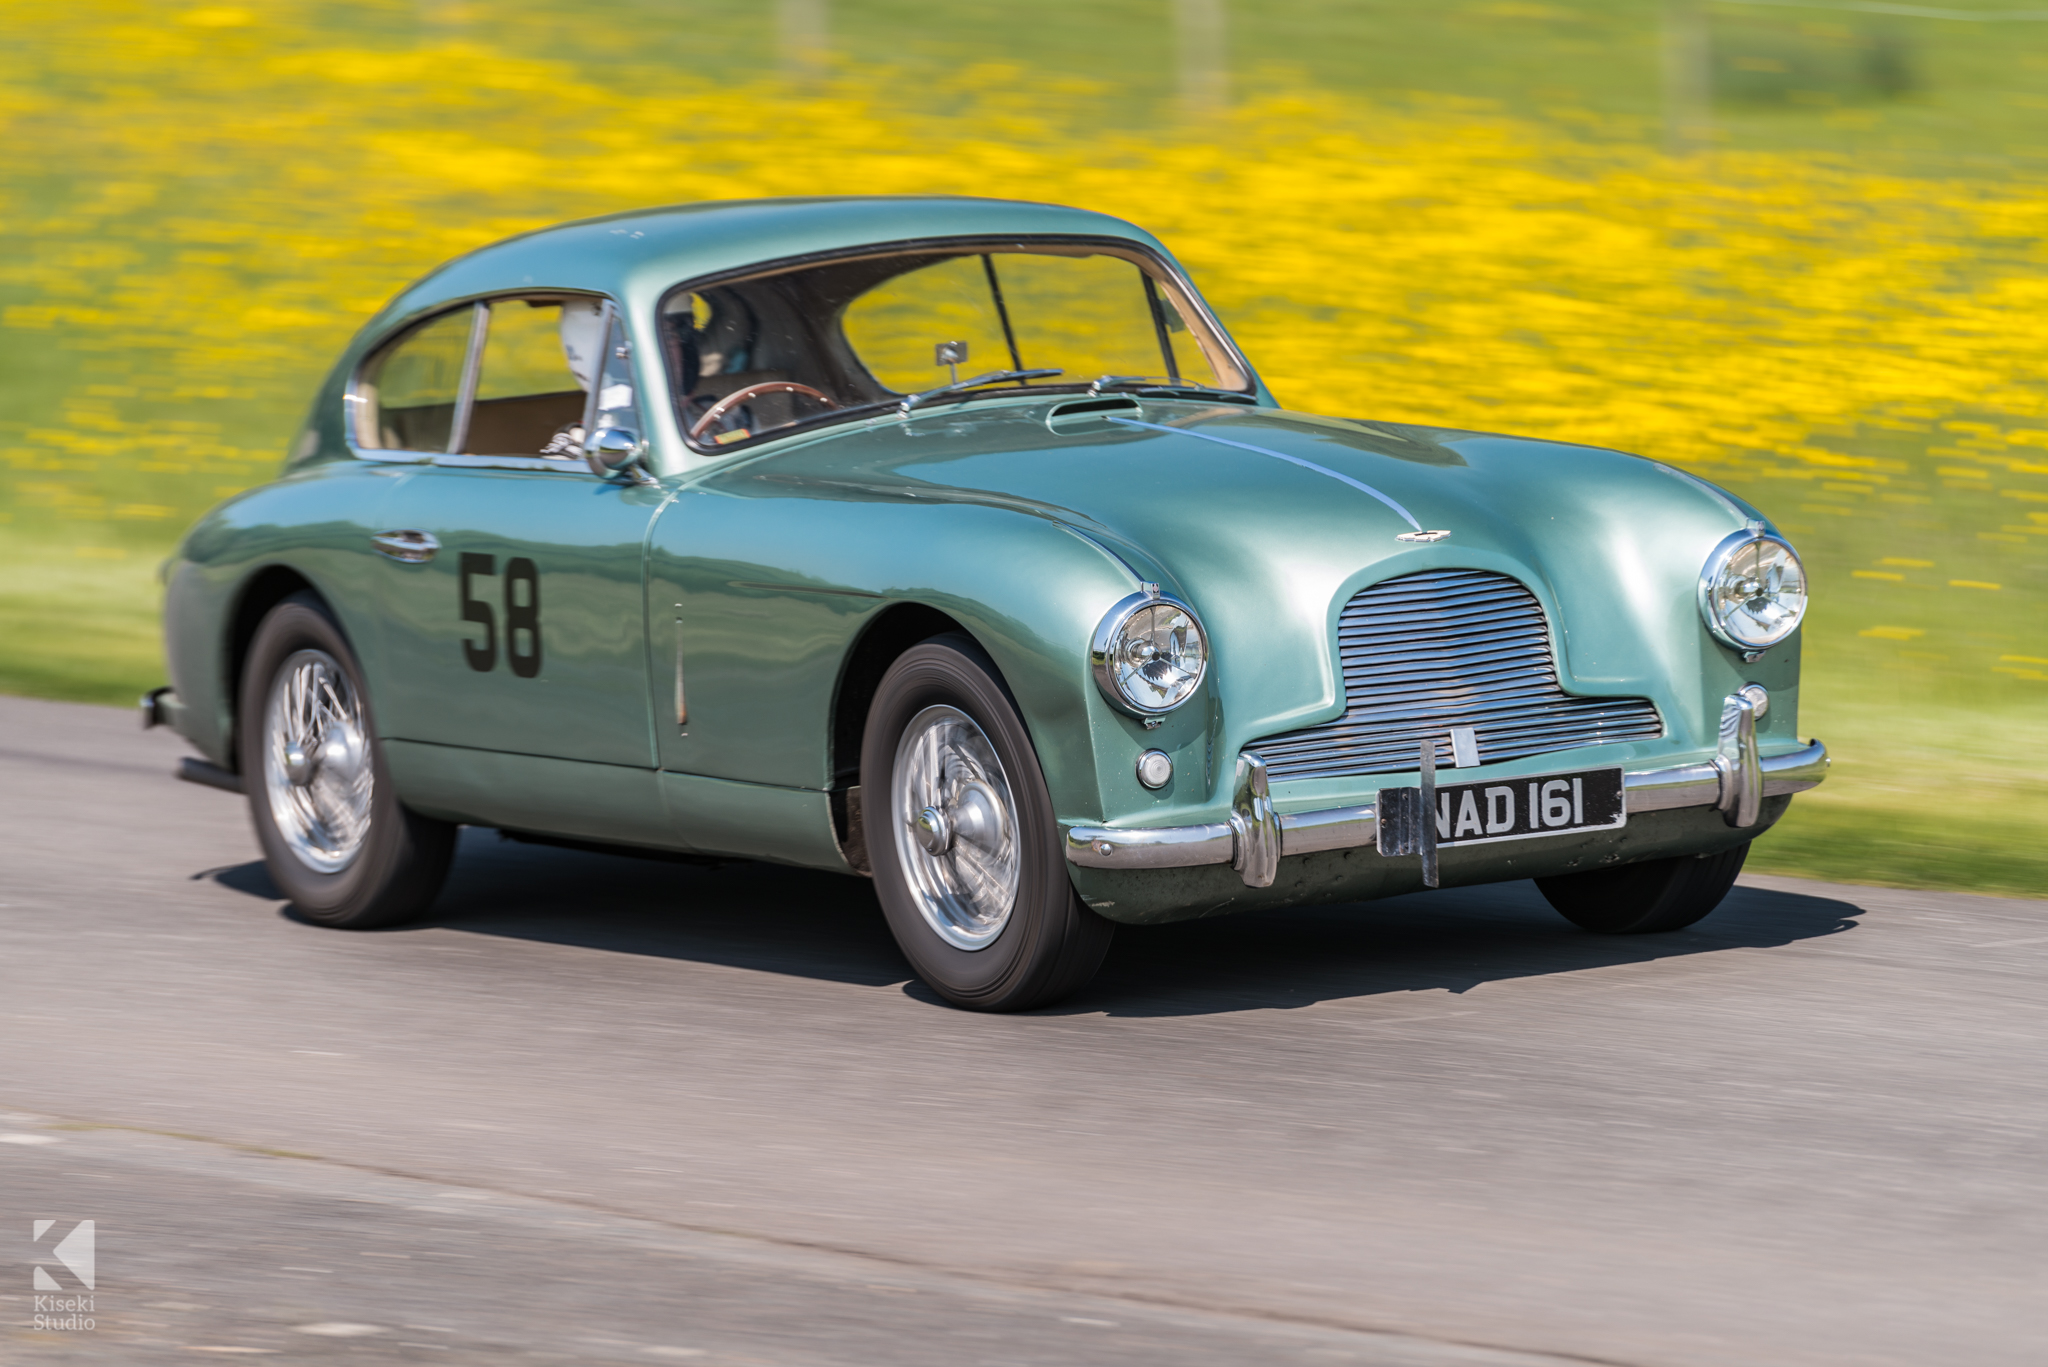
x,y
1753,589
1149,654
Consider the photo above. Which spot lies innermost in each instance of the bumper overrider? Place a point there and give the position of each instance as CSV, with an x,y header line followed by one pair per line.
x,y
1735,781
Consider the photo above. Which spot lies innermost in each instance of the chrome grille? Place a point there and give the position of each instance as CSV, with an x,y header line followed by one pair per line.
x,y
1426,652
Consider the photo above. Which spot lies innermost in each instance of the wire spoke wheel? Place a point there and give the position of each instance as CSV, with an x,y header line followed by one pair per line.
x,y
317,774
960,832
955,827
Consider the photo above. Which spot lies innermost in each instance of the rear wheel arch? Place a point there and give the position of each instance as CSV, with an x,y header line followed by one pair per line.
x,y
338,841
262,592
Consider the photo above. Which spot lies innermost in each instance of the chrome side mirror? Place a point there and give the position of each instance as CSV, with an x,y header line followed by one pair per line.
x,y
612,450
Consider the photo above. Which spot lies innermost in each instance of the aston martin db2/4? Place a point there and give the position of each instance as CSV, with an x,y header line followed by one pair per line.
x,y
954,543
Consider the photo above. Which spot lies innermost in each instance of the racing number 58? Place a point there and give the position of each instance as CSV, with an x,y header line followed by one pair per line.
x,y
520,617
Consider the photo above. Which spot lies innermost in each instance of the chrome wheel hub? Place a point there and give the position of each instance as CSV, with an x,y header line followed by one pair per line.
x,y
955,827
316,762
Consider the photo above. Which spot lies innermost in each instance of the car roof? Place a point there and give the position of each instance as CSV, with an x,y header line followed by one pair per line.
x,y
644,251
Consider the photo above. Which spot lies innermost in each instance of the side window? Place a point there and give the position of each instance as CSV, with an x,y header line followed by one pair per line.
x,y
406,397
540,357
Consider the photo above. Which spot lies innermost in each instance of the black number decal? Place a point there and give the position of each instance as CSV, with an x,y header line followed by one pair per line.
x,y
522,617
519,616
483,658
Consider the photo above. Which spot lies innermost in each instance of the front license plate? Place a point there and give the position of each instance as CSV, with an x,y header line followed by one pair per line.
x,y
1518,808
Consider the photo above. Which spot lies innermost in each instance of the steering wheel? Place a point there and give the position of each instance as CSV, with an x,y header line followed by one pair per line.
x,y
740,396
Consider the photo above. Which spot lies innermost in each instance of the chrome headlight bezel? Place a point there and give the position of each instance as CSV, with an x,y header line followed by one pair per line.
x,y
1108,640
1715,572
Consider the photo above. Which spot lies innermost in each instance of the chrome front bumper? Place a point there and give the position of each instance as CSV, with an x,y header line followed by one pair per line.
x,y
1735,782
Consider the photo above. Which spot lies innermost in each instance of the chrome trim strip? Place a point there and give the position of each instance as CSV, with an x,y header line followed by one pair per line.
x,y
607,313
567,465
1344,828
1276,455
1137,580
472,365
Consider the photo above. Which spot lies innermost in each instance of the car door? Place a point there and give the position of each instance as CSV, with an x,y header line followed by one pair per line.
x,y
512,585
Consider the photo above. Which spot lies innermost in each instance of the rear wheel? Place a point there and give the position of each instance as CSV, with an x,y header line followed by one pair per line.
x,y
962,840
334,835
1646,898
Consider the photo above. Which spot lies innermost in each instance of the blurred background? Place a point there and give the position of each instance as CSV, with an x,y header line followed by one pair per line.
x,y
1800,249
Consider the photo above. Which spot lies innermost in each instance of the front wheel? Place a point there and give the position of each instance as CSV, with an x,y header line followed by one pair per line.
x,y
334,835
1646,898
962,839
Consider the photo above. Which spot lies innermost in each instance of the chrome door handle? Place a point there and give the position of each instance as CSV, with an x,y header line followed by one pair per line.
x,y
413,548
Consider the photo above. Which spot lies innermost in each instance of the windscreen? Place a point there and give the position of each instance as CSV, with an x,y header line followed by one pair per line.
x,y
778,351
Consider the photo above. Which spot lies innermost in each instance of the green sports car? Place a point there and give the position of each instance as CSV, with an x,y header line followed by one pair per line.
x,y
953,543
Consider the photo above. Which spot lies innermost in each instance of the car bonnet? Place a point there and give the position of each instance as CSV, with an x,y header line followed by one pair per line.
x,y
1268,521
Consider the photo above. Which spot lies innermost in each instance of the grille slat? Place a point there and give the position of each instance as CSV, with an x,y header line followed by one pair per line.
x,y
1426,652
1506,662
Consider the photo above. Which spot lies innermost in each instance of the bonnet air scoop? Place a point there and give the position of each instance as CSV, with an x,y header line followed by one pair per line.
x,y
1091,412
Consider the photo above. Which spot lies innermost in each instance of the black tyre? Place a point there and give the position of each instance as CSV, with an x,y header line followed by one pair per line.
x,y
337,841
961,837
1647,898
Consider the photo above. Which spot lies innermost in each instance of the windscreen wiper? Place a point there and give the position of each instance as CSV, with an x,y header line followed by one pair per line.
x,y
1162,384
911,401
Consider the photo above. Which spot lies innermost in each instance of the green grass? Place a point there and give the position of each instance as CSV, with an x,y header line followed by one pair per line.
x,y
79,622
1960,809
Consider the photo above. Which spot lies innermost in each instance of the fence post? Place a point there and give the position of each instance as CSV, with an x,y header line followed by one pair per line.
x,y
1688,78
1199,43
803,28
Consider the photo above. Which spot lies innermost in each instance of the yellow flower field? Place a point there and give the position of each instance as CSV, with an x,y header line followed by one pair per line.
x,y
201,205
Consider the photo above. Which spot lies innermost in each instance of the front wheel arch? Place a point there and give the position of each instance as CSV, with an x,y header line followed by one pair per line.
x,y
1042,943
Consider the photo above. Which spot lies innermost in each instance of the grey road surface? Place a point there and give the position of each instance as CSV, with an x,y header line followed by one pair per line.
x,y
604,1110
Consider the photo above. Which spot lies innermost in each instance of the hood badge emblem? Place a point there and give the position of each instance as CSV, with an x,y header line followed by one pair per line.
x,y
1422,536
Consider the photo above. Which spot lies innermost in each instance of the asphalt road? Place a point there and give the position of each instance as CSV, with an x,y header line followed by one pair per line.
x,y
601,1110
